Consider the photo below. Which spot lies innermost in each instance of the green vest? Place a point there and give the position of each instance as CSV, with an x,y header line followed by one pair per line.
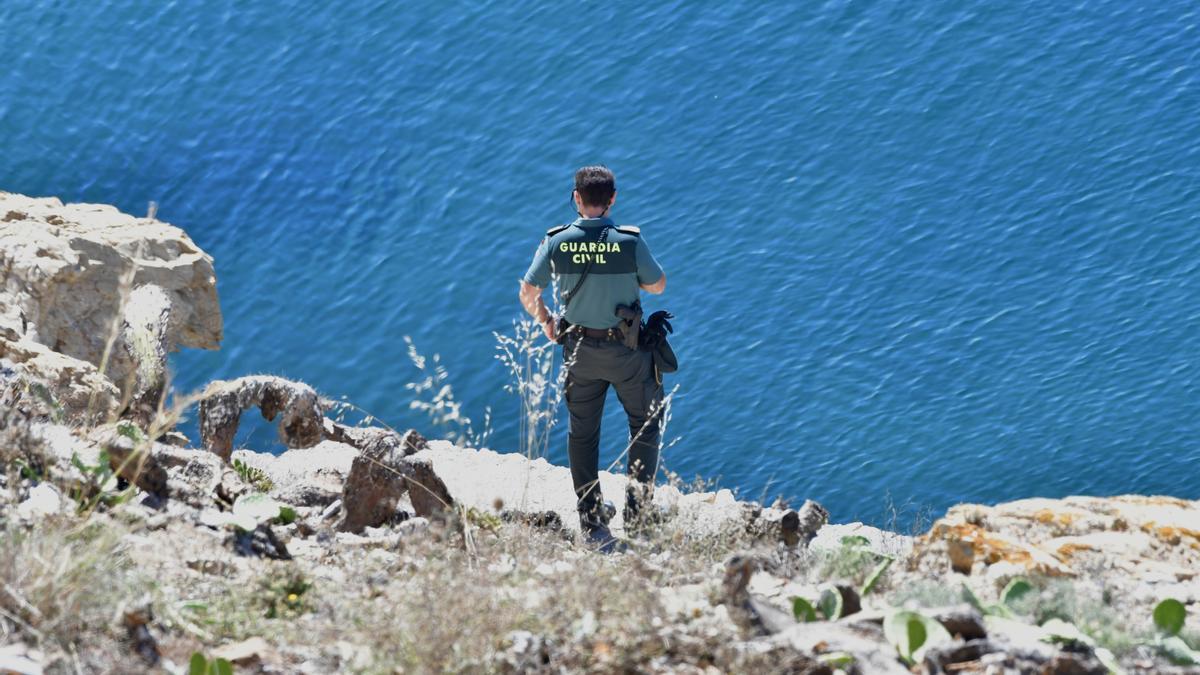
x,y
619,264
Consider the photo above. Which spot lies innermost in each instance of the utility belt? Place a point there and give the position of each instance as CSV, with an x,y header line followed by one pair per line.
x,y
649,336
565,329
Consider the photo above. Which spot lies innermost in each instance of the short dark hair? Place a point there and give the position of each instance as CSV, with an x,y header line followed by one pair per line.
x,y
595,184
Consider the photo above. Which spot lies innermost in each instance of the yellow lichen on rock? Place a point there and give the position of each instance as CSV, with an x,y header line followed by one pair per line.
x,y
1059,537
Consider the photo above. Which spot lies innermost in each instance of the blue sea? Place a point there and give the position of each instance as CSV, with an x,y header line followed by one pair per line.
x,y
920,253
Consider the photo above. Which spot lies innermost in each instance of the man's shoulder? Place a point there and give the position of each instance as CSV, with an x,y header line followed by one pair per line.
x,y
633,230
557,229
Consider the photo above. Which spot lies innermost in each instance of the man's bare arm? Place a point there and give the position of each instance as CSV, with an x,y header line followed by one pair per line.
x,y
656,287
531,300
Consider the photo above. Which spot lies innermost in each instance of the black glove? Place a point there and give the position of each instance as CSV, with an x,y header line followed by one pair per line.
x,y
657,328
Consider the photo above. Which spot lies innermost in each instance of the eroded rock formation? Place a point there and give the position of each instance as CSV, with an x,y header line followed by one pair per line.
x,y
380,477
88,288
297,405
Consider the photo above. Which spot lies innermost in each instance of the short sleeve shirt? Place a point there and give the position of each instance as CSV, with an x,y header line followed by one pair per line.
x,y
619,264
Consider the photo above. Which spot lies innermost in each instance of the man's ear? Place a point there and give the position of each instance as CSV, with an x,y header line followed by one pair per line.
x,y
612,200
578,200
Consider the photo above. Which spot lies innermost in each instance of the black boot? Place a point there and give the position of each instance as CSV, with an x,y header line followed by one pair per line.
x,y
598,536
593,523
640,514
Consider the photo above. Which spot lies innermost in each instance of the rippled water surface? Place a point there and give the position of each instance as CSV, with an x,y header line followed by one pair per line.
x,y
920,253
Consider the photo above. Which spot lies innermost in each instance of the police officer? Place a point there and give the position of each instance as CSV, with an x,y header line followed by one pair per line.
x,y
598,266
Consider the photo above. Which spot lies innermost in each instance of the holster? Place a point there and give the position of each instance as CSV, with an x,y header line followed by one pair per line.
x,y
631,323
561,327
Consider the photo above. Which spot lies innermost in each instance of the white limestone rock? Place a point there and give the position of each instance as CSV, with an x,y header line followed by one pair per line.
x,y
75,274
43,500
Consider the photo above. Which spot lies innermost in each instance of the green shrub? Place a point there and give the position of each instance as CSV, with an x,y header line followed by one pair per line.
x,y
199,665
255,476
285,595
853,562
912,633
1169,617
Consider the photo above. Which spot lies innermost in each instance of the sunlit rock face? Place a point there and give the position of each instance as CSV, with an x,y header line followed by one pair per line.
x,y
89,288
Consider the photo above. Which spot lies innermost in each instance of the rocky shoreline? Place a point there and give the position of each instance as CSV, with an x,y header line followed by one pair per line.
x,y
127,547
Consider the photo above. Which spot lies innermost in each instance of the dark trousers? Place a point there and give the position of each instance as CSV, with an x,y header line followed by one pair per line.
x,y
592,365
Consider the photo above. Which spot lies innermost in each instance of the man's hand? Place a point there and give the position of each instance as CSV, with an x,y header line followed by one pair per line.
x,y
531,300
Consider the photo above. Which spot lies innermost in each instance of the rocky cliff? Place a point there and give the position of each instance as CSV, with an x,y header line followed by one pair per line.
x,y
94,299
125,547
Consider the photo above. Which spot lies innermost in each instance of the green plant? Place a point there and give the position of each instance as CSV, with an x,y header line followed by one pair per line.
x,y
854,561
876,574
100,484
829,605
254,508
1016,598
131,431
1169,617
830,602
482,519
28,471
254,476
283,595
1064,632
839,660
1017,590
803,610
199,665
912,634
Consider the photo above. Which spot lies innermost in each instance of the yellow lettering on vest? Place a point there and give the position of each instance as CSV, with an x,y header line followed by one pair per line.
x,y
563,247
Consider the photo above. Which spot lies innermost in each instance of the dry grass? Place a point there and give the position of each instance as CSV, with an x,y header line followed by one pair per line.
x,y
433,606
62,587
515,598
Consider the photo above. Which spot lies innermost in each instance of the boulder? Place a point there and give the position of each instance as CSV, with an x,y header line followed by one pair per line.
x,y
790,527
883,542
1130,536
198,478
58,446
245,654
52,386
375,440
44,500
304,476
865,642
753,614
377,481
261,542
135,461
99,287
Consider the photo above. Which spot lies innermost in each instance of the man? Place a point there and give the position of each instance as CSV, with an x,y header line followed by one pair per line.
x,y
613,262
